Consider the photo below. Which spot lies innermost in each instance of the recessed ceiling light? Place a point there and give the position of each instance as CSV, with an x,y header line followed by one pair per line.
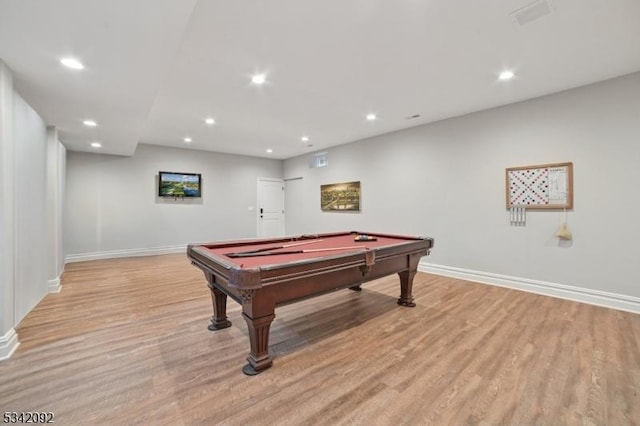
x,y
72,63
259,79
188,140
371,117
506,75
210,121
96,145
269,150
304,139
90,123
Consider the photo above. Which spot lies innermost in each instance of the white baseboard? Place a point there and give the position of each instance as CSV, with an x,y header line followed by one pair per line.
x,y
54,285
124,253
577,294
8,344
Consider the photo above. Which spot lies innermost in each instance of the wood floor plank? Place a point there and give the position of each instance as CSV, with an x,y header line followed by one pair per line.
x,y
126,342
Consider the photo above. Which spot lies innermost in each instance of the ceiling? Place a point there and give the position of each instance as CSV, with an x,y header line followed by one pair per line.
x,y
154,70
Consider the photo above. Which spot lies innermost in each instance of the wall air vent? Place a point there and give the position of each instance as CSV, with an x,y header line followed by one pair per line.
x,y
318,160
531,12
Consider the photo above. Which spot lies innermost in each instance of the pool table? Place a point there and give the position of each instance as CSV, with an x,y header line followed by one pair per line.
x,y
262,274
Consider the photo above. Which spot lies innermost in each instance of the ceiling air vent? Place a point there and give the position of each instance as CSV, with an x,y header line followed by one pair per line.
x,y
531,12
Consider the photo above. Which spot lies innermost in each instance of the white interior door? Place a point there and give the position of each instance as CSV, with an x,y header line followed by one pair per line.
x,y
270,207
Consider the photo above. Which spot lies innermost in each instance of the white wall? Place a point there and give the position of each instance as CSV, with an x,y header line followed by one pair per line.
x,y
8,338
112,208
56,156
30,196
30,138
446,180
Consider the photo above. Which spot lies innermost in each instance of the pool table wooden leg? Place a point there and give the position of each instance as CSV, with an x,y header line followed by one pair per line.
x,y
259,358
219,319
406,282
406,289
258,311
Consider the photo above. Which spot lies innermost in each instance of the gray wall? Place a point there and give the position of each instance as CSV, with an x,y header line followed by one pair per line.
x,y
112,206
447,180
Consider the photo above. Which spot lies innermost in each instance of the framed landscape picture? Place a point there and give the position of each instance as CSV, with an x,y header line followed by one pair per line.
x,y
340,197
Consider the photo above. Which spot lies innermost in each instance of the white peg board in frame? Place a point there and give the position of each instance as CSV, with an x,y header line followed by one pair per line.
x,y
544,186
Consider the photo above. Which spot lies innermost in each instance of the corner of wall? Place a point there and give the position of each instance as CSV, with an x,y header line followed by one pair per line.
x,y
8,344
54,285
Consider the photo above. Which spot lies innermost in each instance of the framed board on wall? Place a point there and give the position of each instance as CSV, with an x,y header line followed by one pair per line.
x,y
544,186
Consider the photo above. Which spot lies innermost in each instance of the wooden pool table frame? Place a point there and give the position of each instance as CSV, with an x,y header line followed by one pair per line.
x,y
260,289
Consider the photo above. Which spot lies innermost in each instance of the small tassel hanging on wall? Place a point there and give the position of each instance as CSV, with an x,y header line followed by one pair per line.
x,y
563,232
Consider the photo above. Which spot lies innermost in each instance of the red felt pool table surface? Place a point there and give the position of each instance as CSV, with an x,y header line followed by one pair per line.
x,y
344,244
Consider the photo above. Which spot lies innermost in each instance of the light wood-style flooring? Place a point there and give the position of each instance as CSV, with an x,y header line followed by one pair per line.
x,y
126,342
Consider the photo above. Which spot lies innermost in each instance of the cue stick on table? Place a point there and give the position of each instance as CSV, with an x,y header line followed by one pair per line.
x,y
273,248
274,253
